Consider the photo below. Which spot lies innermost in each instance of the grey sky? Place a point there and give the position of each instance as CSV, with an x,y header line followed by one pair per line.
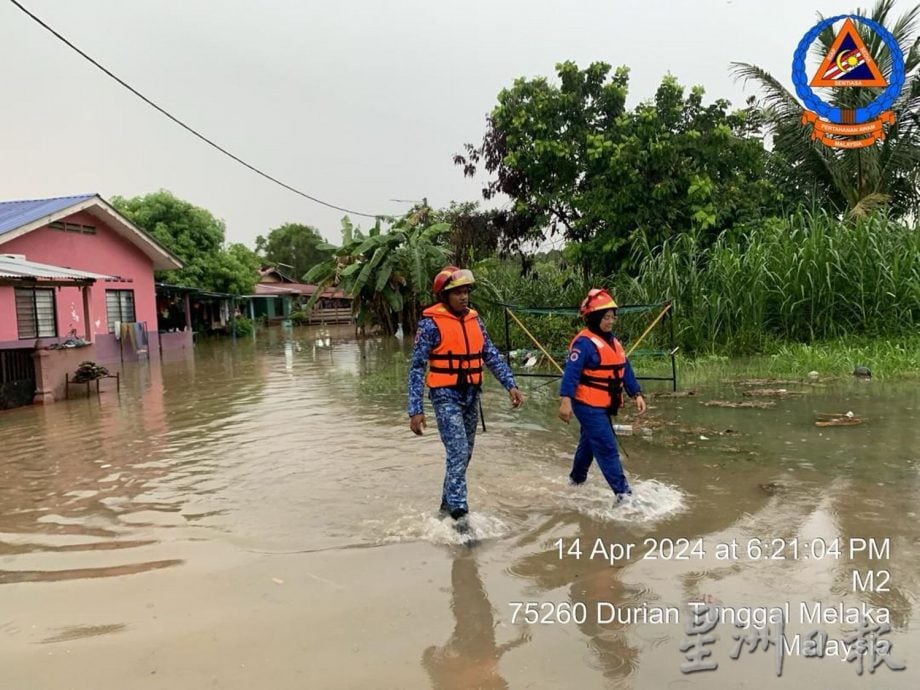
x,y
353,102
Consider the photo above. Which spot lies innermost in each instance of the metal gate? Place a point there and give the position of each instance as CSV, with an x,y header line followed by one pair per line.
x,y
17,378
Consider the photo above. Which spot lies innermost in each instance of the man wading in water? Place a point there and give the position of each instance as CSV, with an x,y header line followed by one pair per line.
x,y
453,339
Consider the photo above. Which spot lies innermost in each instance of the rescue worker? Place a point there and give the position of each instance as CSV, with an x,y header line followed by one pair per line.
x,y
453,340
596,375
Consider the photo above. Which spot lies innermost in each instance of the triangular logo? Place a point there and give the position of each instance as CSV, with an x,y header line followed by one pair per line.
x,y
848,62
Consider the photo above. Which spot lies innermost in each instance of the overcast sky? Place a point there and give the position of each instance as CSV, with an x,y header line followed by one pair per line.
x,y
354,102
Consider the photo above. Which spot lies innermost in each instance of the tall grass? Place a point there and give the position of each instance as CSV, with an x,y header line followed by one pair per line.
x,y
547,284
809,277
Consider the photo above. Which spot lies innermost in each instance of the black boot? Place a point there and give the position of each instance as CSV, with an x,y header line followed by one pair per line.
x,y
461,520
458,513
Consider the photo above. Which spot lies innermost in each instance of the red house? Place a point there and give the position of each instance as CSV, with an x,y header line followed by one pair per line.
x,y
77,268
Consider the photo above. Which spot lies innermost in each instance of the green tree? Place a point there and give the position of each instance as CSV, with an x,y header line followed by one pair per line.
x,y
388,273
575,161
237,271
294,245
849,180
476,234
197,238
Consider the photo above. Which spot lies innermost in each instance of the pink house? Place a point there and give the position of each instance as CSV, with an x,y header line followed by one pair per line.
x,y
82,234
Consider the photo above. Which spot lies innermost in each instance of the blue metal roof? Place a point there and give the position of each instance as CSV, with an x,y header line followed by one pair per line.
x,y
15,214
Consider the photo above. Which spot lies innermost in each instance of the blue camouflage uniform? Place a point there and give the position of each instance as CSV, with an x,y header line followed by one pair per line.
x,y
597,439
456,409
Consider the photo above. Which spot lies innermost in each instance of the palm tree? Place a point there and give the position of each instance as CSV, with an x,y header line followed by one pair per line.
x,y
852,181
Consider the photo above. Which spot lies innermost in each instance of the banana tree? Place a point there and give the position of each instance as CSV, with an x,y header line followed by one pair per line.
x,y
387,273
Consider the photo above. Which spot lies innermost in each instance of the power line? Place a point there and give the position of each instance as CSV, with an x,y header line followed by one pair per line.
x,y
185,126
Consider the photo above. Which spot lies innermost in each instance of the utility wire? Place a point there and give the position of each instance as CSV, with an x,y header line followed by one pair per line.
x,y
185,126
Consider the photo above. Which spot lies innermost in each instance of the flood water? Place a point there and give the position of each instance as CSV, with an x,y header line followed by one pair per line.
x,y
260,515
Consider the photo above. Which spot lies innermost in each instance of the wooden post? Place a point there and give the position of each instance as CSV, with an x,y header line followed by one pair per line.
x,y
187,305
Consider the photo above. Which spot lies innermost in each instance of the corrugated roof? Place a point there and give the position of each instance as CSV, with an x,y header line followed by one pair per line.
x,y
167,287
15,214
19,269
18,217
305,289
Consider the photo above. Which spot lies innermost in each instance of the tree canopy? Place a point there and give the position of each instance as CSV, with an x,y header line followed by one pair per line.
x,y
295,245
575,161
195,236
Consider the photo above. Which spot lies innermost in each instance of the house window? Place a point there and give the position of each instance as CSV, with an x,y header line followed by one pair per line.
x,y
36,315
119,306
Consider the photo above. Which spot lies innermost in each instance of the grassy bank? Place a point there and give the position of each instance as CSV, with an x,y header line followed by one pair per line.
x,y
804,293
888,359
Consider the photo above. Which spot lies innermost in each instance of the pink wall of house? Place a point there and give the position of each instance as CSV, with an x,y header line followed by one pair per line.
x,y
7,313
104,252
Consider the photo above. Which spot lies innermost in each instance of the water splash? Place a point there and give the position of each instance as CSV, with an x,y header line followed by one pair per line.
x,y
424,526
650,502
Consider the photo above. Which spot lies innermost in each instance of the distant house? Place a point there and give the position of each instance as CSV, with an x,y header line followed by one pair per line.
x,y
78,269
277,296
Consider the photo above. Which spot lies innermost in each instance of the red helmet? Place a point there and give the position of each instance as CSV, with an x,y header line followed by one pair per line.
x,y
451,277
598,299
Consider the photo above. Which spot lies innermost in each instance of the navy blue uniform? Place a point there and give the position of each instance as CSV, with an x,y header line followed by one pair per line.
x,y
455,408
597,439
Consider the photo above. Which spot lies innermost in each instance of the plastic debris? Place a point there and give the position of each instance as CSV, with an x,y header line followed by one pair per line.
x,y
837,419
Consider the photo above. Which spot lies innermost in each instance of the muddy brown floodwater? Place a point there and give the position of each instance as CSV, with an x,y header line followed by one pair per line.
x,y
259,515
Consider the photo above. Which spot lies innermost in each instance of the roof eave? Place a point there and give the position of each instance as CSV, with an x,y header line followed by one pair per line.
x,y
162,258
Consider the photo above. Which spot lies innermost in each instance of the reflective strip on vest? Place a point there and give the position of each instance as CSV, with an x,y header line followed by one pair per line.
x,y
457,360
603,386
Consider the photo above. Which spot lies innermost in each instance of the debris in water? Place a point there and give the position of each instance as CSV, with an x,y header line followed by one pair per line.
x,y
672,394
838,419
759,382
630,429
755,404
769,392
862,372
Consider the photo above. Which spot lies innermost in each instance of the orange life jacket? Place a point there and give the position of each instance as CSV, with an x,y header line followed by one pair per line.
x,y
457,360
602,387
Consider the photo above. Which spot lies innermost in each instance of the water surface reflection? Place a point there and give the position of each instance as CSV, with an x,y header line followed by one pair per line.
x,y
219,500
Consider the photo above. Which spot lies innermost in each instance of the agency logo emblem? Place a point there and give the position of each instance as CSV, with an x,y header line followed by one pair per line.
x,y
848,64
